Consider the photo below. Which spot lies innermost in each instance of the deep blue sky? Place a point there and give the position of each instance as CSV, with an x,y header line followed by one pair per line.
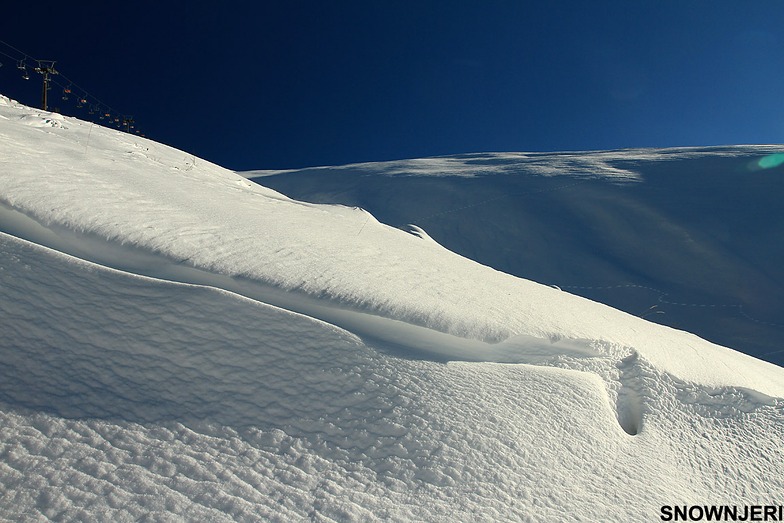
x,y
288,83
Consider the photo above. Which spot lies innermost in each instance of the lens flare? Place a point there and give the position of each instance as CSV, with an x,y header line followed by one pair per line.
x,y
770,161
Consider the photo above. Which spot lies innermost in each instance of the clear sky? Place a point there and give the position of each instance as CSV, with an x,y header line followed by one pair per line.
x,y
294,83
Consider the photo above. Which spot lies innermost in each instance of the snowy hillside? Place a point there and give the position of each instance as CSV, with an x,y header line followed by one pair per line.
x,y
181,343
691,238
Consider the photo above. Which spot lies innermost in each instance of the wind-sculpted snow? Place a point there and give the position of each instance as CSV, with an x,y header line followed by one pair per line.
x,y
127,398
413,339
89,182
689,237
204,348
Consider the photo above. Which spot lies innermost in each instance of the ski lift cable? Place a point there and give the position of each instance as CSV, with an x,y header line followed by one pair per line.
x,y
21,64
85,99
17,50
27,57
95,106
74,87
10,57
86,94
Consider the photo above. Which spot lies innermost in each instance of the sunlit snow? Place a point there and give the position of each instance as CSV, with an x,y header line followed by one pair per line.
x,y
688,237
181,343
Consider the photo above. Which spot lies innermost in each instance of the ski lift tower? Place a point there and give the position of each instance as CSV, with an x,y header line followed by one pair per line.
x,y
46,69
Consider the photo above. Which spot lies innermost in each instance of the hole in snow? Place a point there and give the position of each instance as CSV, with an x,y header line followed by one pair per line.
x,y
629,406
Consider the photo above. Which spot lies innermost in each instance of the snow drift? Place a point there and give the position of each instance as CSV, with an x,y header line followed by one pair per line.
x,y
689,237
179,342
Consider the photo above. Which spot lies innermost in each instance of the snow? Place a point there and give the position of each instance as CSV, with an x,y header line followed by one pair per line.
x,y
182,344
687,237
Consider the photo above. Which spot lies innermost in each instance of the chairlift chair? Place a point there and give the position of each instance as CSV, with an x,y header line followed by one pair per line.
x,y
23,67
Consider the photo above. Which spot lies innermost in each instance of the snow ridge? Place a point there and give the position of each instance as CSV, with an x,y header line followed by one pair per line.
x,y
182,343
694,231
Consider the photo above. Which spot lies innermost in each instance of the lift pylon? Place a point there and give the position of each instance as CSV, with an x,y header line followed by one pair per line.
x,y
46,69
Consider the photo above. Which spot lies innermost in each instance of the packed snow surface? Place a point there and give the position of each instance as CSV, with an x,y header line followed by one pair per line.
x,y
181,343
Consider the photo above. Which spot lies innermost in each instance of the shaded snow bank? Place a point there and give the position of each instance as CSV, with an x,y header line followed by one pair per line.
x,y
126,398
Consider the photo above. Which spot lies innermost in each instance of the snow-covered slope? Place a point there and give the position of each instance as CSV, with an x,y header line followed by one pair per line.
x,y
691,238
256,357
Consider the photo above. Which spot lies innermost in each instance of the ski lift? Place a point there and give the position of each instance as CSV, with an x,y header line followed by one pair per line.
x,y
80,102
23,67
93,109
66,92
